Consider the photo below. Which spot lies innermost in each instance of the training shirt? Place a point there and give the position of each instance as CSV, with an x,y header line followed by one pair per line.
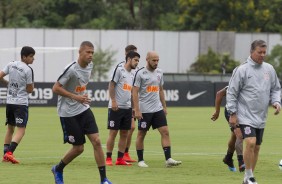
x,y
251,88
123,85
74,79
149,83
20,74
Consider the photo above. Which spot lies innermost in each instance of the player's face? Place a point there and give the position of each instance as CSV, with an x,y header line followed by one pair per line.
x,y
258,54
153,62
86,54
28,59
134,62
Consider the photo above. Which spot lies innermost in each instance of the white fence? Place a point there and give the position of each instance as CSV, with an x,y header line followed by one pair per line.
x,y
55,48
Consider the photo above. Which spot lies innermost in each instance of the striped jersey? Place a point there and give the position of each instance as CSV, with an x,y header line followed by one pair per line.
x,y
20,74
74,79
123,85
149,83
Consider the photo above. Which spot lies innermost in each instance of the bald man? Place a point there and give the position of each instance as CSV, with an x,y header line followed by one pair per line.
x,y
150,107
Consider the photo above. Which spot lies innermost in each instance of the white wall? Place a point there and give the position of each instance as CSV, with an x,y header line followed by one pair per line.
x,y
55,48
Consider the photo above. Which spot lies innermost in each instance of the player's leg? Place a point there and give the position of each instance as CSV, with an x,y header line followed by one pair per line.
x,y
127,156
8,139
110,146
121,148
140,147
228,158
239,151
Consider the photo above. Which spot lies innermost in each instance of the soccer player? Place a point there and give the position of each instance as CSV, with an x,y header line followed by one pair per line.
x,y
234,143
252,86
20,84
110,141
120,110
150,107
76,118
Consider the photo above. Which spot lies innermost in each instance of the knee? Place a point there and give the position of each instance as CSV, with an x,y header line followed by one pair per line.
x,y
96,142
79,149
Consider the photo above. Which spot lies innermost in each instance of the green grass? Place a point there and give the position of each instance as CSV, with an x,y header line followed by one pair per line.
x,y
196,140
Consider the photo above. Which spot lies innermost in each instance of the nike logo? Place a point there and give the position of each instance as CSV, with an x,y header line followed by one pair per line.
x,y
193,96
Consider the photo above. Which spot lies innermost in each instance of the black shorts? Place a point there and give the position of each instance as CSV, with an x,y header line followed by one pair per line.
x,y
16,115
156,120
120,119
248,131
75,128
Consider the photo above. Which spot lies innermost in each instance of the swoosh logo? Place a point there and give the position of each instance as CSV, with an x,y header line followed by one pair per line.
x,y
193,96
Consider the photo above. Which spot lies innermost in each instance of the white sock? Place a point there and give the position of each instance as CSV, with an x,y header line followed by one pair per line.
x,y
248,173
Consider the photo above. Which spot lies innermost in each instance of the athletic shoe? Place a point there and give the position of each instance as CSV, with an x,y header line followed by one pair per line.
x,y
58,176
109,161
251,180
241,165
127,158
229,163
170,162
142,164
106,181
4,160
120,161
10,157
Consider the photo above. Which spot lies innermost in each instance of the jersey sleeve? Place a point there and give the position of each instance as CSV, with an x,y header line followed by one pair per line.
x,y
116,74
29,76
6,69
137,79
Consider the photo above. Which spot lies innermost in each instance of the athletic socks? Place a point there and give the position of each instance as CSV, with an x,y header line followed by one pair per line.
x,y
109,154
12,147
140,155
102,171
60,167
120,154
6,147
167,152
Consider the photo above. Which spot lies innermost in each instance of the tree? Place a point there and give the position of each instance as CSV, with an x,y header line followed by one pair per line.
x,y
275,58
213,63
102,61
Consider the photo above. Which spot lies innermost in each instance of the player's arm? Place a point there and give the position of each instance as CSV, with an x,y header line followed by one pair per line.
x,y
135,98
59,90
162,98
218,98
112,94
3,81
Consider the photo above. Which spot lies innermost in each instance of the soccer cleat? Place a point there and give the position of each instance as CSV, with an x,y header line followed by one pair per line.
x,y
170,162
10,157
241,165
109,161
127,157
58,176
4,160
106,181
142,164
251,180
229,163
120,161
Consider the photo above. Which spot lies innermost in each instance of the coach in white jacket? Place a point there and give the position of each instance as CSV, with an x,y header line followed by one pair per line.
x,y
252,86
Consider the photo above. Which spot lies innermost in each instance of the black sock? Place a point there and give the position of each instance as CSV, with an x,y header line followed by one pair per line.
x,y
6,147
126,150
109,154
102,171
12,147
167,152
240,157
229,155
140,155
60,167
120,154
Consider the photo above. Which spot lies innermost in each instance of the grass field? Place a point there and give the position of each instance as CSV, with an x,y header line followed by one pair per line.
x,y
196,140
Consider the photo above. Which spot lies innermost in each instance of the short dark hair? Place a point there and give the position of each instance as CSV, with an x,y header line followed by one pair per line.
x,y
257,43
86,43
130,48
131,54
26,51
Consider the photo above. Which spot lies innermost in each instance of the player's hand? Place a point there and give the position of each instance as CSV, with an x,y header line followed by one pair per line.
x,y
114,106
233,120
277,108
215,116
83,99
138,115
165,111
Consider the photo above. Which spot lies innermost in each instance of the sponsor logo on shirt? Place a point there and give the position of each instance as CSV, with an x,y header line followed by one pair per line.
x,y
79,89
150,89
126,87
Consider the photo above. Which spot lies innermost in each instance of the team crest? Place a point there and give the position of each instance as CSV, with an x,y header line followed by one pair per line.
x,y
71,139
247,130
19,121
112,123
266,76
143,124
